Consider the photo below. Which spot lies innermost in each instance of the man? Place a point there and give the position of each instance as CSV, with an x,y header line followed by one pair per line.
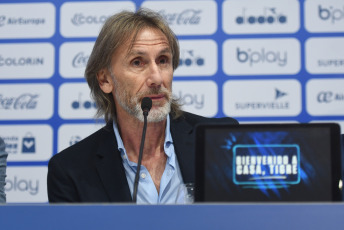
x,y
3,159
134,57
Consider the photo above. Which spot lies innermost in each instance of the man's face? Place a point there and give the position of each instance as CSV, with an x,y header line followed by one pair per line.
x,y
146,70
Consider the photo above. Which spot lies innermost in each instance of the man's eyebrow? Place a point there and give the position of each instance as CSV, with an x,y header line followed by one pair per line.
x,y
134,52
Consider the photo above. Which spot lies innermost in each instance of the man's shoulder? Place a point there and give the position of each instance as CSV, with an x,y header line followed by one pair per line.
x,y
194,119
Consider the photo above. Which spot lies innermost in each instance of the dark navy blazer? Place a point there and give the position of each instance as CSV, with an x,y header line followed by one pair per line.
x,y
92,169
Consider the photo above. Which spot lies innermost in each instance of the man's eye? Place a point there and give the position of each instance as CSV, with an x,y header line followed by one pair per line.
x,y
137,62
163,60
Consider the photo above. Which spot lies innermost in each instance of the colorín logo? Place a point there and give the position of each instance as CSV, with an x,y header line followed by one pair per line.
x,y
27,60
85,19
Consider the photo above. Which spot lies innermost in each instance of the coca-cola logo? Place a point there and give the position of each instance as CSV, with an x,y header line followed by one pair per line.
x,y
80,19
22,102
186,17
80,60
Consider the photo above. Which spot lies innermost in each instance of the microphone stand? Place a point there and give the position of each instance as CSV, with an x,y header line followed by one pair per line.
x,y
145,107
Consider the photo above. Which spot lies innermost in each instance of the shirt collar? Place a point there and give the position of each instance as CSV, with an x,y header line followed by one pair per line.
x,y
167,143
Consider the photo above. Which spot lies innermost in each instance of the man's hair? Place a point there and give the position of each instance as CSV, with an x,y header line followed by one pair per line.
x,y
115,32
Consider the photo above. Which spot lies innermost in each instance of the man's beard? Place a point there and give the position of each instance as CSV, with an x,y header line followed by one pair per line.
x,y
132,104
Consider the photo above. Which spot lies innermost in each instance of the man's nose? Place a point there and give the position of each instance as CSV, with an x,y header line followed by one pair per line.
x,y
155,76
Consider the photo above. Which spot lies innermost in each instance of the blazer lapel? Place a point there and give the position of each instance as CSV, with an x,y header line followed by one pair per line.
x,y
183,140
110,168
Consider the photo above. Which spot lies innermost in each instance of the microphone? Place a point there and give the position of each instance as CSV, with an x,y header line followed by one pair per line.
x,y
146,105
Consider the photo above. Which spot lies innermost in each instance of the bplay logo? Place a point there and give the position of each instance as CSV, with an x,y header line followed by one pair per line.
x,y
73,58
324,16
26,60
26,184
265,16
262,98
325,97
197,58
70,134
198,97
261,56
27,142
26,101
187,18
85,19
325,55
334,15
28,20
75,101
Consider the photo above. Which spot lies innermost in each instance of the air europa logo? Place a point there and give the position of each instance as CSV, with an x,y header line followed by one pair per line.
x,y
20,21
329,96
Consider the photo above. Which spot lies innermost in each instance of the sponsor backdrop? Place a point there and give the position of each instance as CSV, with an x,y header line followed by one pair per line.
x,y
257,61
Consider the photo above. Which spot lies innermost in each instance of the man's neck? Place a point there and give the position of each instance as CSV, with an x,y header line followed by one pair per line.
x,y
130,129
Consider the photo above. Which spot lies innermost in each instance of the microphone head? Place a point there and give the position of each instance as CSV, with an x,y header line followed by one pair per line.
x,y
146,104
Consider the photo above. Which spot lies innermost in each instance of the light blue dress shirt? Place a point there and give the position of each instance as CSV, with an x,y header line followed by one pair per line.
x,y
171,179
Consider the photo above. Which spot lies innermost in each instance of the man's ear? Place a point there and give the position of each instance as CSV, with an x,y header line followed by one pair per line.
x,y
105,81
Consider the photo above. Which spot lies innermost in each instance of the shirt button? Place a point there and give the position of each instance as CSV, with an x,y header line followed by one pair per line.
x,y
143,175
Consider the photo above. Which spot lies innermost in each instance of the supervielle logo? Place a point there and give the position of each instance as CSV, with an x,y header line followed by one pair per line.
x,y
85,19
250,98
325,55
188,18
264,16
27,20
197,97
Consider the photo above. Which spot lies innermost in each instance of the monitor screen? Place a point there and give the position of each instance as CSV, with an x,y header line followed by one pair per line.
x,y
275,162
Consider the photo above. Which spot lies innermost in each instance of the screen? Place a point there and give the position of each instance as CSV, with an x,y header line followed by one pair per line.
x,y
291,162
